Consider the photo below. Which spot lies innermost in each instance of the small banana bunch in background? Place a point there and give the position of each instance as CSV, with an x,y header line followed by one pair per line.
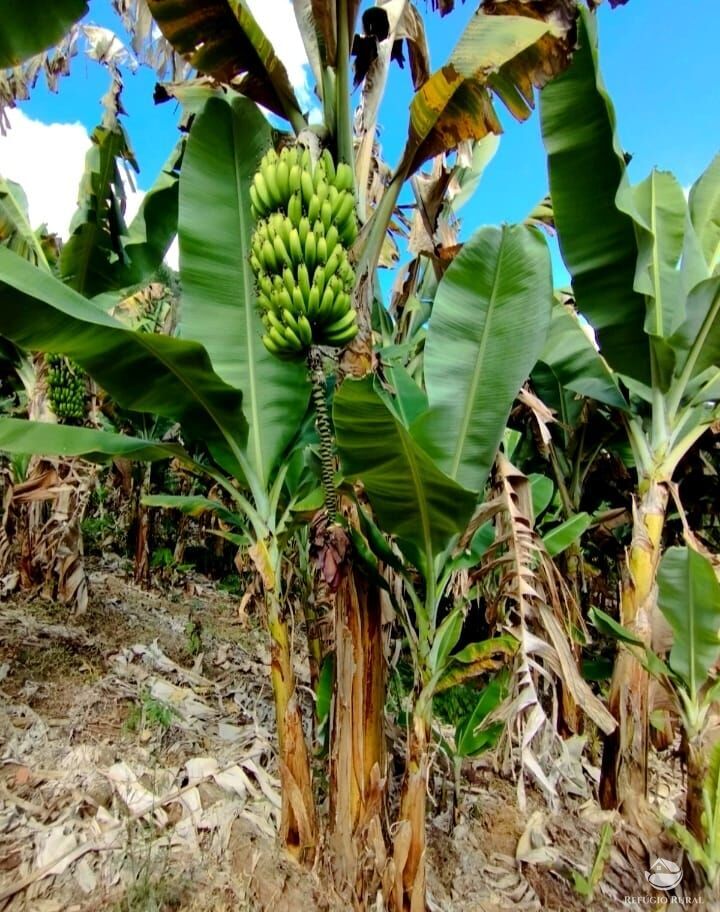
x,y
305,222
66,387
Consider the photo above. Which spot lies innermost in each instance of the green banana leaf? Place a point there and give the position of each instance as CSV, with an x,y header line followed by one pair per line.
x,y
705,212
222,39
487,329
575,362
31,27
697,341
102,254
658,208
219,306
568,532
410,496
542,490
17,435
15,230
474,734
194,506
689,597
455,103
586,169
141,371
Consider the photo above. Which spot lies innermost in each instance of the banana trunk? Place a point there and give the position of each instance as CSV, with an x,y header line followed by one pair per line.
x,y
357,762
298,826
405,876
623,783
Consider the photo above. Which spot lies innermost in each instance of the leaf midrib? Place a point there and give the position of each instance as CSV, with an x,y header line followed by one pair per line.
x,y
472,389
419,493
250,340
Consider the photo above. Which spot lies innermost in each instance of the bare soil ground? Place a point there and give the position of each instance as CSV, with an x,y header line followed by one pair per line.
x,y
137,776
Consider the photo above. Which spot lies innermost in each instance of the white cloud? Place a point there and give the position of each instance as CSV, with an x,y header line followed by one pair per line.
x,y
47,160
277,19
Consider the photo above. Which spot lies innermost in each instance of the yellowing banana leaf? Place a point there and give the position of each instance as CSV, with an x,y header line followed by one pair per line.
x,y
144,372
515,82
586,169
505,54
219,309
30,27
477,659
222,39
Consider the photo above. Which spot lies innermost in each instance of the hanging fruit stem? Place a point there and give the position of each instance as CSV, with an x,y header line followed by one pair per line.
x,y
322,422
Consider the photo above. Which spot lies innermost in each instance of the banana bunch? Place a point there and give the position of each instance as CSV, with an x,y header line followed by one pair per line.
x,y
305,222
66,387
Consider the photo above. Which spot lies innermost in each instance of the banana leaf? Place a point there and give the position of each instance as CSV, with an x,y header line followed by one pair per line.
x,y
487,329
15,230
141,371
411,497
222,39
586,169
705,212
30,27
102,253
689,597
17,435
219,310
575,362
455,103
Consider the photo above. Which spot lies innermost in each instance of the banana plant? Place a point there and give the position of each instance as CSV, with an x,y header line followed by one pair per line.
x,y
505,51
246,434
644,268
688,597
416,451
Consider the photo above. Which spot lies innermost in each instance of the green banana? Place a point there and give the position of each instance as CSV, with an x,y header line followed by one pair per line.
x,y
313,304
288,279
262,191
344,207
268,255
303,280
281,251
305,221
343,177
296,249
310,251
308,190
299,305
305,330
314,208
326,215
293,339
329,164
294,179
270,175
342,338
322,250
283,181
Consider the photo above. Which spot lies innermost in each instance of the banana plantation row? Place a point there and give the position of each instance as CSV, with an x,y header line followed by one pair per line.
x,y
488,461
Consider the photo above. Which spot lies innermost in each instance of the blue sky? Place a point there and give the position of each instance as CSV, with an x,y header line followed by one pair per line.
x,y
658,58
